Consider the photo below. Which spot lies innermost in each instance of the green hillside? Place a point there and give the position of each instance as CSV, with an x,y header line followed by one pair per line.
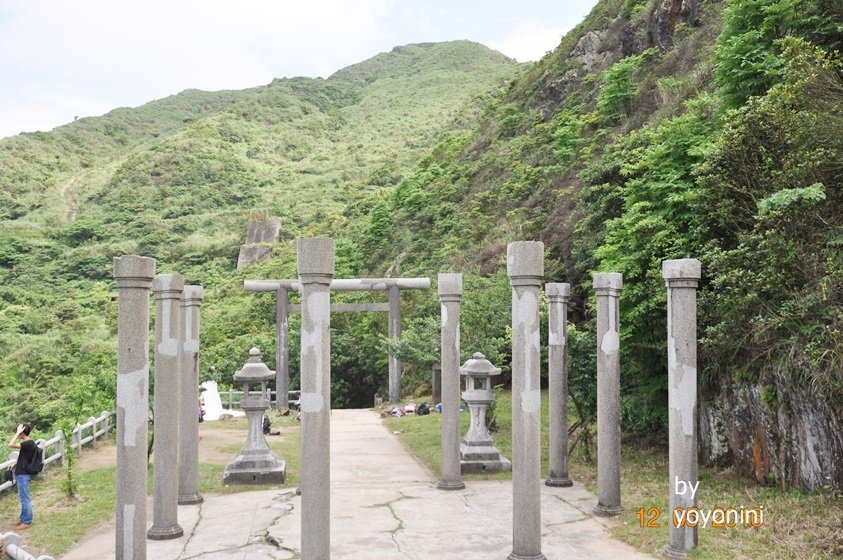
x,y
177,178
662,130
656,129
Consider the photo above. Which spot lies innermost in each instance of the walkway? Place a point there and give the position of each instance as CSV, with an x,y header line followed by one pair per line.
x,y
384,505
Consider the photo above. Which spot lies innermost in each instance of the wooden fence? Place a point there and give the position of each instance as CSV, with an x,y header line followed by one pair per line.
x,y
10,548
54,450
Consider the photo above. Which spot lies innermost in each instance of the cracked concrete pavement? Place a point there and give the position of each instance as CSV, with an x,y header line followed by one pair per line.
x,y
384,504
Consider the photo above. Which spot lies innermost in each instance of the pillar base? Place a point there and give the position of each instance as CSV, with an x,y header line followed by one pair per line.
x,y
451,485
558,482
607,511
250,473
513,556
165,533
671,552
191,499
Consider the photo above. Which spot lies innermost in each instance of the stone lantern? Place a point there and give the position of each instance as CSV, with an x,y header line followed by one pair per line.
x,y
478,452
256,463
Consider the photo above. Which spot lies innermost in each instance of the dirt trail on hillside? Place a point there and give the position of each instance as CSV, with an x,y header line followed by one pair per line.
x,y
71,208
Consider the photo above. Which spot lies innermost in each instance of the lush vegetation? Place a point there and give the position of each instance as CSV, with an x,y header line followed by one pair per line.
x,y
177,179
698,150
723,140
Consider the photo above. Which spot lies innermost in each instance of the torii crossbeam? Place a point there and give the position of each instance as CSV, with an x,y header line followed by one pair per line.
x,y
283,309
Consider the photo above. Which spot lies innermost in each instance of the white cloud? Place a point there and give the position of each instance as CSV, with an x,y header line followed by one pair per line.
x,y
107,54
530,39
60,59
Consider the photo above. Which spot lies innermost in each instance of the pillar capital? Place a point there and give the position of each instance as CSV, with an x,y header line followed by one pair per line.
x,y
315,259
607,283
558,292
681,273
449,286
133,271
525,263
168,286
192,295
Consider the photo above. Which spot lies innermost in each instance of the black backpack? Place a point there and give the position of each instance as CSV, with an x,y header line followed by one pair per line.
x,y
423,409
36,465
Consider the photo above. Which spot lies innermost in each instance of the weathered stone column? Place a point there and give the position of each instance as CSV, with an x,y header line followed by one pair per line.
x,y
316,268
525,268
608,286
394,331
282,350
191,300
557,362
436,383
681,277
450,293
134,277
167,289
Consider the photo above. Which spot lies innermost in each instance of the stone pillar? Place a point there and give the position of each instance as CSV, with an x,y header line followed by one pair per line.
x,y
436,383
450,294
282,350
133,275
525,268
316,269
394,332
681,277
558,296
608,286
167,289
191,301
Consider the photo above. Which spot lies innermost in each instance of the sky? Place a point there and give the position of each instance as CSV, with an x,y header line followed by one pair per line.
x,y
62,59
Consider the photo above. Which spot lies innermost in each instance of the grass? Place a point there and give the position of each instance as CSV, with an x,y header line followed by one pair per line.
x,y
797,525
60,522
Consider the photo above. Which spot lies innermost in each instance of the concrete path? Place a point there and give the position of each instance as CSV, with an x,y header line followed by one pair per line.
x,y
384,504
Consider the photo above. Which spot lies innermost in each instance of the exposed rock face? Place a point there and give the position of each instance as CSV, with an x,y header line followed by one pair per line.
x,y
259,233
591,52
666,15
597,50
796,442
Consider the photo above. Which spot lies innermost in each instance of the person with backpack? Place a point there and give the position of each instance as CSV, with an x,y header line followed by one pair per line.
x,y
29,463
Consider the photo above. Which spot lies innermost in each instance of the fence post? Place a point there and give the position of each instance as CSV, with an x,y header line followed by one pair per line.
x,y
230,400
76,438
93,422
106,422
60,448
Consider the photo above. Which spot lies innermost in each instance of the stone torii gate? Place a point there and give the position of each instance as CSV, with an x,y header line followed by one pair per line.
x,y
283,310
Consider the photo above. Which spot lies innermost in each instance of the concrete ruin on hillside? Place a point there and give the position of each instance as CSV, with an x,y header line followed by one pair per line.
x,y
261,232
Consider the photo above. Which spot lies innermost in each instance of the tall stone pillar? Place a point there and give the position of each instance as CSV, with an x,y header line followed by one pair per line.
x,y
681,277
191,300
525,268
436,383
282,350
394,332
316,269
450,294
167,289
558,296
133,275
608,286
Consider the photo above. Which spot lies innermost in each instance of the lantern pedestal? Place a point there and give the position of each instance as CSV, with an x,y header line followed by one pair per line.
x,y
477,451
256,463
